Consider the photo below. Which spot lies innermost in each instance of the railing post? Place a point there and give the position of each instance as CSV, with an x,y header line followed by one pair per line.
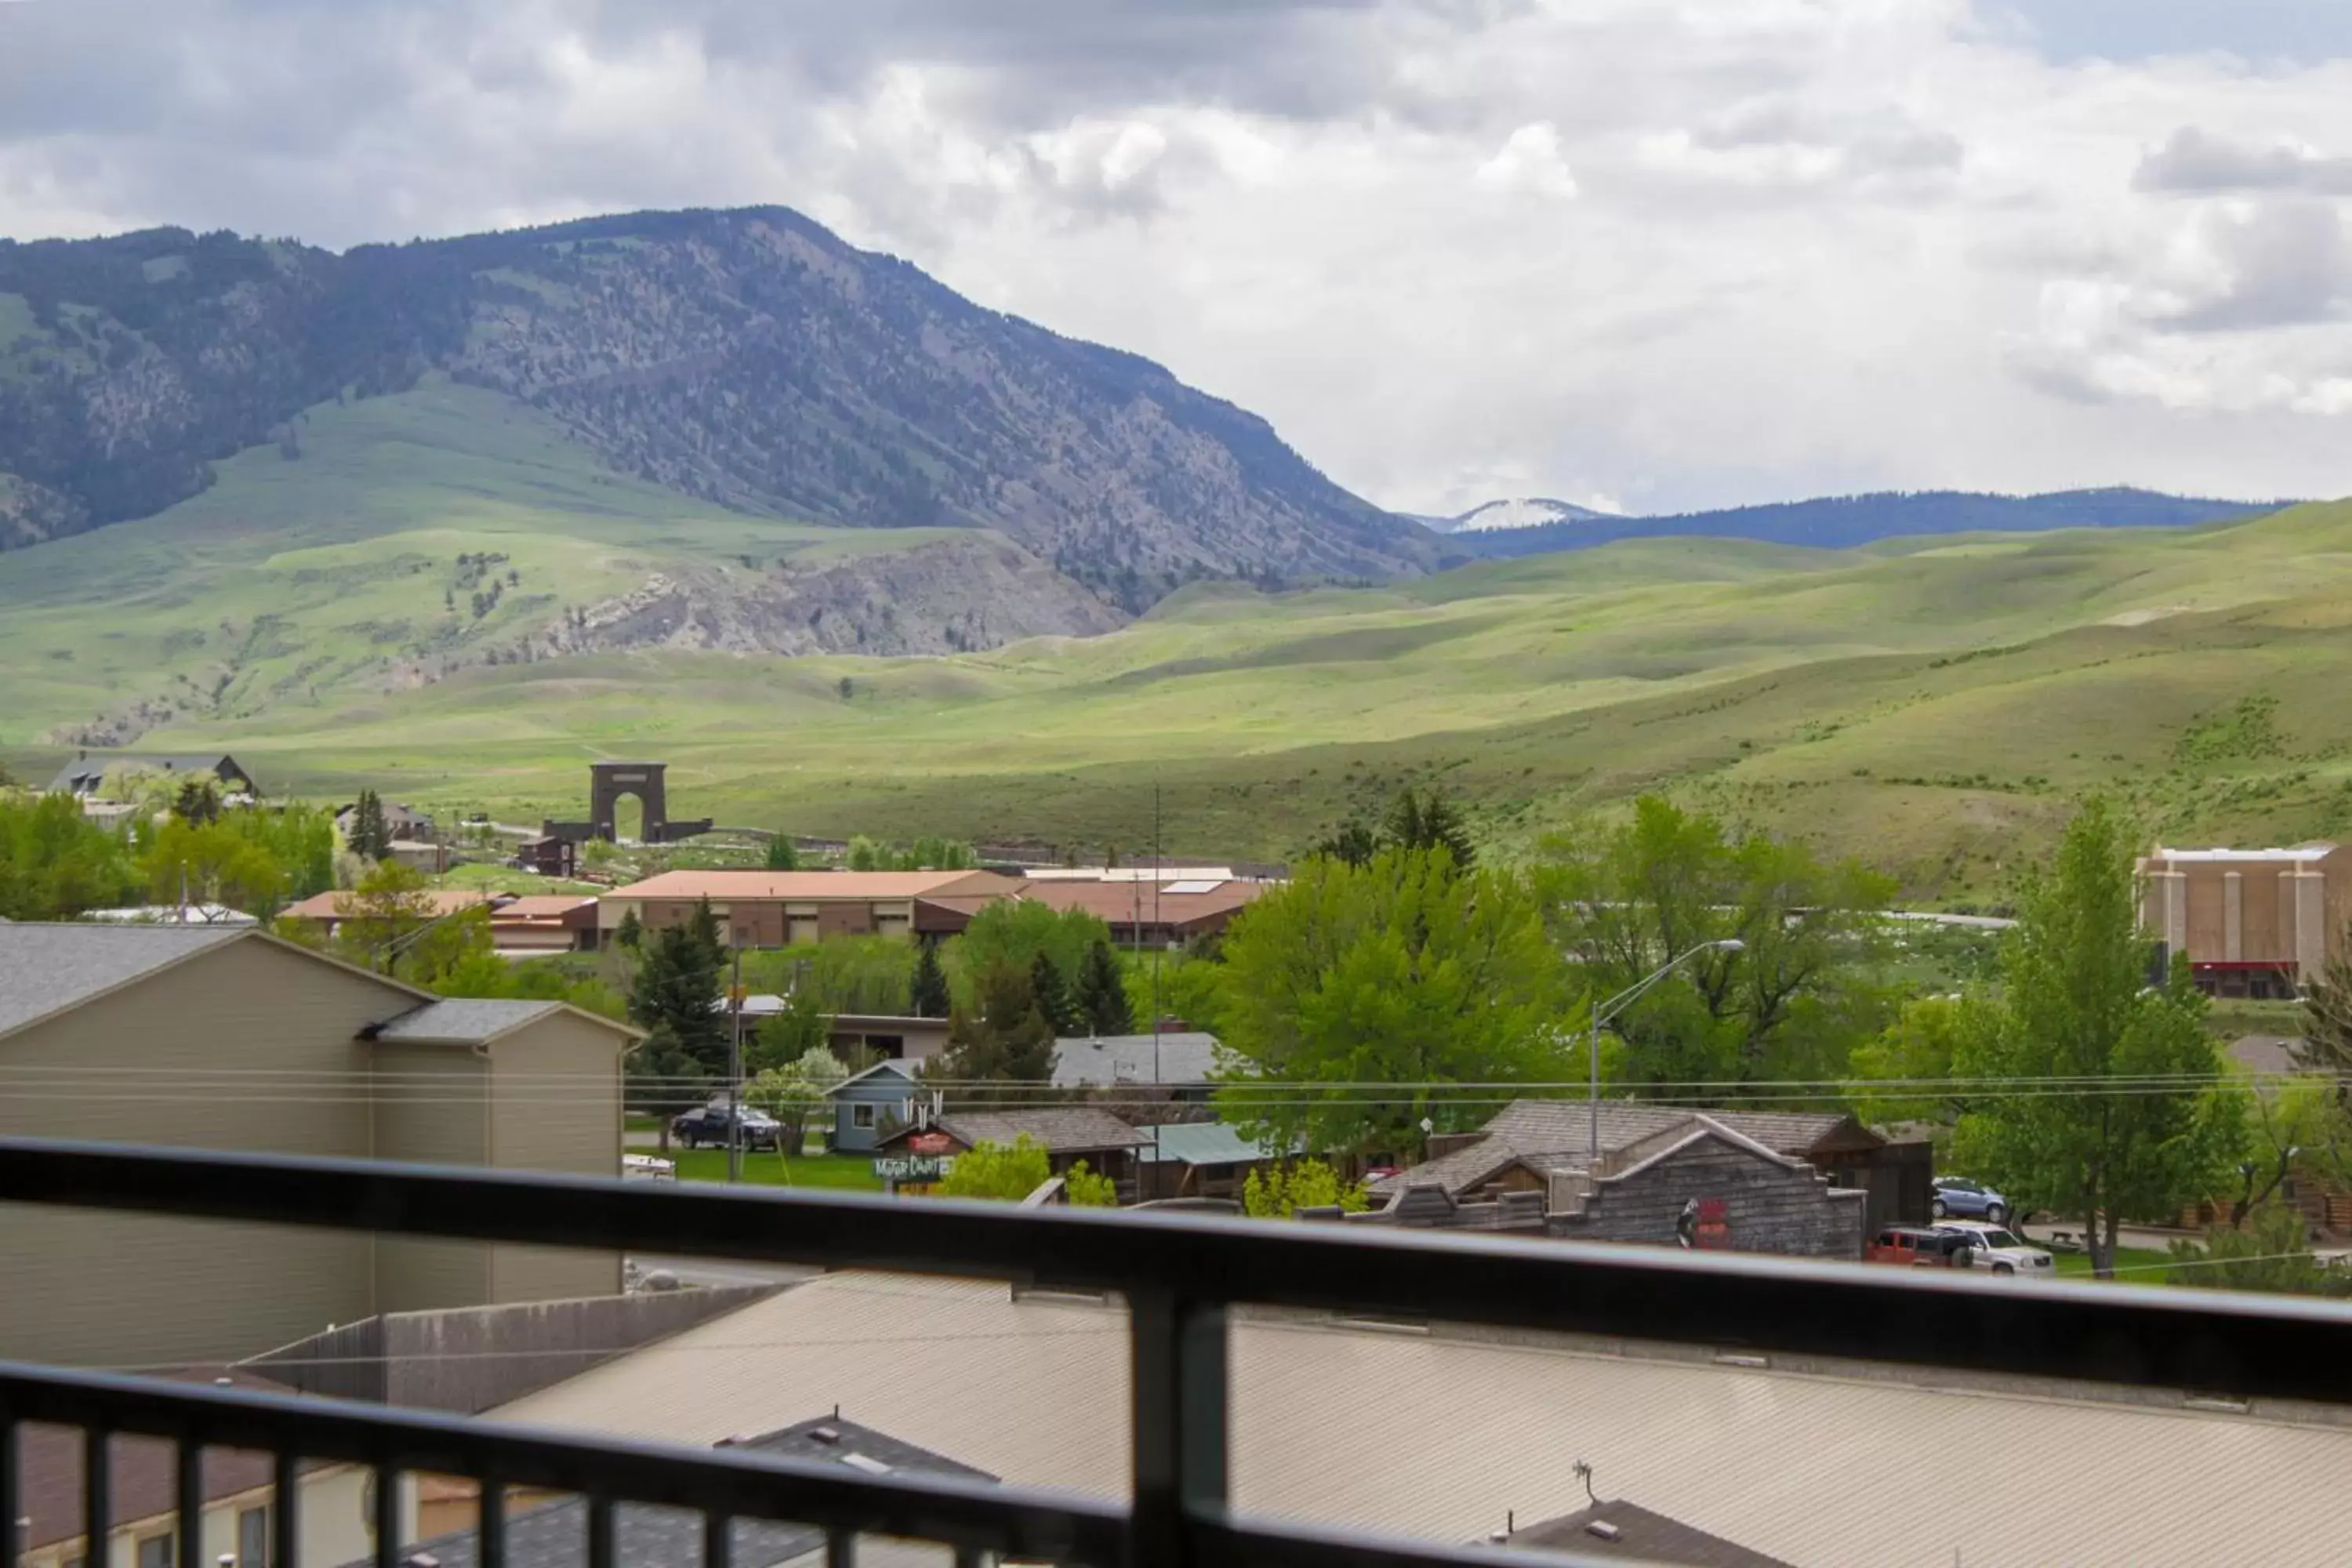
x,y
1180,1437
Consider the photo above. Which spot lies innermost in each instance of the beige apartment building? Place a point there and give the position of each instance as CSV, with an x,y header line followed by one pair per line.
x,y
231,1039
2250,923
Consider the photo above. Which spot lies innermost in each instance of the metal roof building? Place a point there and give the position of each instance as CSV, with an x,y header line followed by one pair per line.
x,y
1441,1435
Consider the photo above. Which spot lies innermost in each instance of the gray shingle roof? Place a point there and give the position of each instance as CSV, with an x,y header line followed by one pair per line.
x,y
1634,1534
556,1536
1184,1058
45,969
1554,1134
1075,1127
463,1022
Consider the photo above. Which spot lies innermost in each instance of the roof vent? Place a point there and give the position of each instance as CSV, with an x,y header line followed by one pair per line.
x,y
1602,1529
826,1434
872,1467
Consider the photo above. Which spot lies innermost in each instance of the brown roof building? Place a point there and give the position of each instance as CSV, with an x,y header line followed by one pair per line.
x,y
791,909
329,910
1151,914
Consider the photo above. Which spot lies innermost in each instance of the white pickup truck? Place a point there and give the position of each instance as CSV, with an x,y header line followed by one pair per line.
x,y
2000,1249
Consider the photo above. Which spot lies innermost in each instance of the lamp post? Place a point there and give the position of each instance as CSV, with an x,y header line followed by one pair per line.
x,y
1626,998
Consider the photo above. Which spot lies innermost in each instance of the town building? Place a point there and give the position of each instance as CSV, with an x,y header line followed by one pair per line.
x,y
539,924
236,1493
792,908
547,856
1621,1531
325,913
1199,1159
1150,913
230,1038
871,1106
1694,1183
402,822
1814,1461
2249,923
85,775
1068,1134
1534,1144
1182,1061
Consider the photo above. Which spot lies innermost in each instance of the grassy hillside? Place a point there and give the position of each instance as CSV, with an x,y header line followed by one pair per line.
x,y
338,568
1936,706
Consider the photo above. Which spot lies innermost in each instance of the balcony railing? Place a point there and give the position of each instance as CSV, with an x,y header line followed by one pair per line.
x,y
1179,1275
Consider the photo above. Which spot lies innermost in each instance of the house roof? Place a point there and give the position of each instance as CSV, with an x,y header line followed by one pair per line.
x,y
337,904
1556,1134
45,969
143,1469
888,1066
645,1536
100,763
1149,903
543,906
814,886
1797,1463
478,1021
1613,1532
1201,1144
1059,1130
1180,1058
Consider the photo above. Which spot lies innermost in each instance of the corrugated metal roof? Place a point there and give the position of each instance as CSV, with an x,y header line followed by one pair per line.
x,y
1182,1057
45,969
1201,1144
1825,1471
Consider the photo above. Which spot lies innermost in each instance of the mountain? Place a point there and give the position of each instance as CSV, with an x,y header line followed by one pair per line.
x,y
748,358
1533,512
1841,522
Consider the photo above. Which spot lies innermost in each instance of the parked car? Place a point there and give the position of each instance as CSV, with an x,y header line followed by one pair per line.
x,y
1958,1197
2000,1250
647,1168
708,1125
1917,1247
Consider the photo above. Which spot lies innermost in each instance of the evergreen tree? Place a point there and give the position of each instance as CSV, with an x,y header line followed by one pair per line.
x,y
928,995
1005,1040
1054,999
1353,842
675,994
1429,820
631,932
2327,1045
1102,993
781,856
370,837
197,803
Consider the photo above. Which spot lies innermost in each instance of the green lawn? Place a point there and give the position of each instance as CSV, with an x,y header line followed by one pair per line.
x,y
2134,1266
835,1173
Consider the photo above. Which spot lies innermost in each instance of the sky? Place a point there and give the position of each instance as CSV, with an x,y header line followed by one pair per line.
x,y
1647,255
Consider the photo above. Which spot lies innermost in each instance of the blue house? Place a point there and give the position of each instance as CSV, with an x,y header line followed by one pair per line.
x,y
871,1105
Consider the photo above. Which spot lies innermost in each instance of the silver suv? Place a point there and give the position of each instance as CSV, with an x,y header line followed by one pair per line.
x,y
1999,1248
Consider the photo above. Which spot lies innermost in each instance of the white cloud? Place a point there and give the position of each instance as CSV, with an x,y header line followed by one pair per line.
x,y
1814,244
1530,163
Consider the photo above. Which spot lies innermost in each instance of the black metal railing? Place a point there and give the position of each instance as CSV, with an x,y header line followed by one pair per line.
x,y
1178,1274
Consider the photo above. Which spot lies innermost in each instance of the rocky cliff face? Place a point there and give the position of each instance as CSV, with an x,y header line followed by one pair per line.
x,y
750,358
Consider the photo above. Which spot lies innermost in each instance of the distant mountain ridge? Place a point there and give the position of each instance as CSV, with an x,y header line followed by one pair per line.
x,y
1842,522
748,358
1526,512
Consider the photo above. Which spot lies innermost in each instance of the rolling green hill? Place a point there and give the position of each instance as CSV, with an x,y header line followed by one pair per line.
x,y
1935,705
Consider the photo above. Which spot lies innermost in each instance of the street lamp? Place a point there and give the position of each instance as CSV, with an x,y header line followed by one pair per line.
x,y
1626,998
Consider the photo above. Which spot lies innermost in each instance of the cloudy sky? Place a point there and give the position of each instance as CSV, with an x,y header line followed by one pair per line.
x,y
1648,254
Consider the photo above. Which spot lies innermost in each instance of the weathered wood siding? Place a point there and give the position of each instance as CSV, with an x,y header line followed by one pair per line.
x,y
1769,1206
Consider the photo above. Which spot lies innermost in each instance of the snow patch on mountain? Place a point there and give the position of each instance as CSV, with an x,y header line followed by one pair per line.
x,y
1528,511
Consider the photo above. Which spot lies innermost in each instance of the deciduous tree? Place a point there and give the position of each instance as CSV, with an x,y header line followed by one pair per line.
x,y
1408,971
1007,1172
2112,1144
1279,1192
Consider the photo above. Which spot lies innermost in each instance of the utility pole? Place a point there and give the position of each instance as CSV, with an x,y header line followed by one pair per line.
x,y
735,1072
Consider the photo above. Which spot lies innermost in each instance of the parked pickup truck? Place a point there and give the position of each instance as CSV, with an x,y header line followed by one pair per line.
x,y
1919,1246
708,1125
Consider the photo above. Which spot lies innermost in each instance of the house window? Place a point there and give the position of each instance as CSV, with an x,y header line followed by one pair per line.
x,y
252,1537
861,1116
155,1552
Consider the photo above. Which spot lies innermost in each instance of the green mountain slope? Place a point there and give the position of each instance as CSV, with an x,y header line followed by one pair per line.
x,y
423,534
1927,703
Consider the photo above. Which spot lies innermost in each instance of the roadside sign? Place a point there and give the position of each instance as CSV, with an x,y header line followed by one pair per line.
x,y
929,1143
913,1168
